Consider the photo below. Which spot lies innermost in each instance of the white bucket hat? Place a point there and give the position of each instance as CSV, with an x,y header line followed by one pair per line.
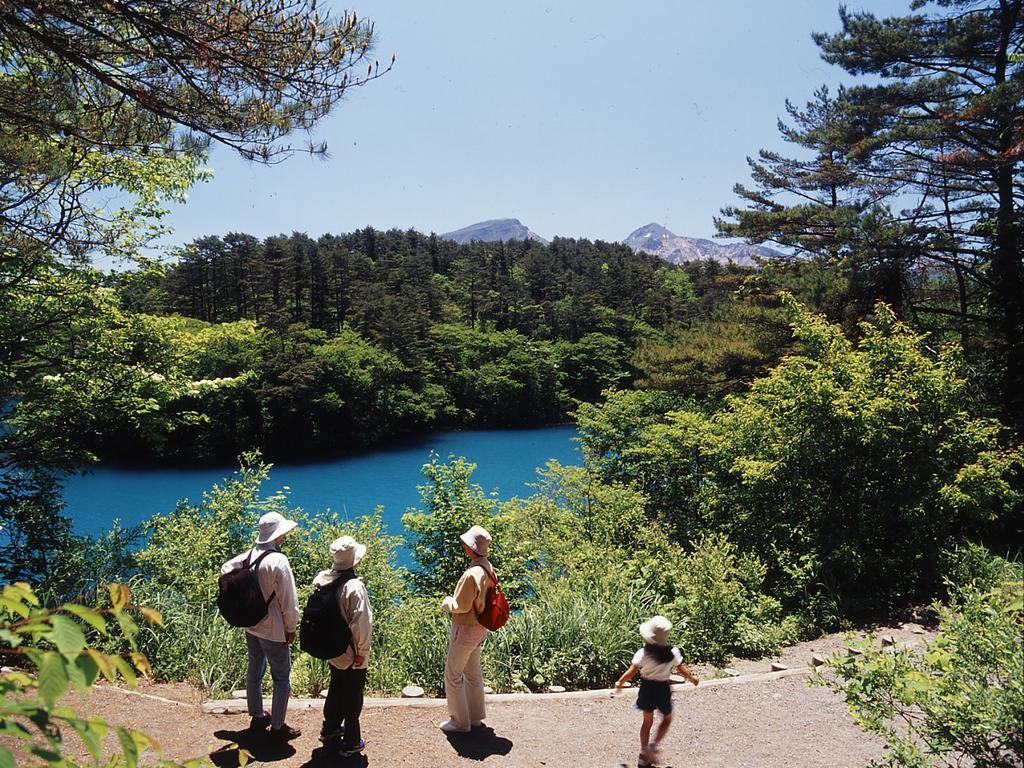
x,y
655,630
346,552
273,526
477,539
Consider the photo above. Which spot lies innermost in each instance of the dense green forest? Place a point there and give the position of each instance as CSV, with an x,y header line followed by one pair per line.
x,y
828,439
307,346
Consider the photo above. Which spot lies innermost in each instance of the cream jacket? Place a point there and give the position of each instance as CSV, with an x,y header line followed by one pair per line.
x,y
275,576
470,592
355,609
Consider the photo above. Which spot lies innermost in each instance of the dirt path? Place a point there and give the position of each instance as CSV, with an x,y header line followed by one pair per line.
x,y
758,724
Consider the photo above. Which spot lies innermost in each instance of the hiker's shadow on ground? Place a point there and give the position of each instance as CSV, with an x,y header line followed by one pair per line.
x,y
479,744
259,744
326,757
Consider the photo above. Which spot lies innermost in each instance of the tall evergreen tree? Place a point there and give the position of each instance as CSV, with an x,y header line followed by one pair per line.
x,y
943,120
826,205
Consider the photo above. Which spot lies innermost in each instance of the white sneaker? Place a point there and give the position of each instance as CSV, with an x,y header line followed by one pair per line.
x,y
653,750
450,726
476,723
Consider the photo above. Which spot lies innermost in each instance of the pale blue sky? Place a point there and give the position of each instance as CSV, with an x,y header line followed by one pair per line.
x,y
582,119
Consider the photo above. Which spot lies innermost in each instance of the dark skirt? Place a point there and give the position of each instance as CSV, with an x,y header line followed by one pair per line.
x,y
655,695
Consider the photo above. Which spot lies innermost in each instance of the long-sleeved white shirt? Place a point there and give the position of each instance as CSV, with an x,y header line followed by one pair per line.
x,y
355,609
275,576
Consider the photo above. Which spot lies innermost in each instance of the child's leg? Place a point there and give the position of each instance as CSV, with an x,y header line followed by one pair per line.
x,y
645,730
666,721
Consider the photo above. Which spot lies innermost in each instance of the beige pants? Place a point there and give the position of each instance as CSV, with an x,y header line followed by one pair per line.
x,y
463,679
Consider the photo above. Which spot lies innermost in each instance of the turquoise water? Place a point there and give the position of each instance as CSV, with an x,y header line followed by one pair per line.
x,y
506,460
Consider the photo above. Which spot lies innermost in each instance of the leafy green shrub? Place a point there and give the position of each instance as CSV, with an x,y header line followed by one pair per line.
x,y
451,503
847,469
194,643
578,632
53,645
720,605
309,675
410,647
970,567
957,702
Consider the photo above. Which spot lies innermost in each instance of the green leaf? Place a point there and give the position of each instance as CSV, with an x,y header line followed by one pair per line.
x,y
53,678
119,596
104,663
21,591
128,626
11,639
92,617
15,729
129,747
76,676
125,669
90,669
49,755
14,606
89,736
7,759
67,635
152,616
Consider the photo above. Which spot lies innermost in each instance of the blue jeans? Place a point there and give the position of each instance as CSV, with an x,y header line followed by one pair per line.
x,y
260,653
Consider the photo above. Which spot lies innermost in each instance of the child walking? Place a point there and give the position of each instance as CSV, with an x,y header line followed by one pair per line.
x,y
655,662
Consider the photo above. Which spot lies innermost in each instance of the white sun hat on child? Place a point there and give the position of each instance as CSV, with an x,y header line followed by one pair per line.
x,y
655,630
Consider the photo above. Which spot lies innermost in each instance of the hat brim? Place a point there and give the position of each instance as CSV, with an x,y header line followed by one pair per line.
x,y
360,551
646,633
652,634
287,526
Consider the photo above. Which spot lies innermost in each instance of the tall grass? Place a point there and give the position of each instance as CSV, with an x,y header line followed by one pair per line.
x,y
574,636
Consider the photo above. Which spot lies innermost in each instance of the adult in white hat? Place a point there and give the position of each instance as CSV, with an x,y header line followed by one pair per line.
x,y
344,701
463,678
268,641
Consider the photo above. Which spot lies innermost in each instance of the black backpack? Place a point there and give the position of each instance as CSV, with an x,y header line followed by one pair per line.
x,y
239,597
323,632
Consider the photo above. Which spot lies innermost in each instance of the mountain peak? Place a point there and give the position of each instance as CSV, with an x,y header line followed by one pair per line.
x,y
651,230
493,230
657,240
649,238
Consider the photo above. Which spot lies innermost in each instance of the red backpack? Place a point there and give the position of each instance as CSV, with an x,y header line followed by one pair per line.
x,y
495,612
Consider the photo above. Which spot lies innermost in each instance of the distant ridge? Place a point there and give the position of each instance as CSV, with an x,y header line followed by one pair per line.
x,y
493,230
657,240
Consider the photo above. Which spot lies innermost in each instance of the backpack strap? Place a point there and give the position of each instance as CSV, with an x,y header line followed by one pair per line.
x,y
254,565
491,575
344,578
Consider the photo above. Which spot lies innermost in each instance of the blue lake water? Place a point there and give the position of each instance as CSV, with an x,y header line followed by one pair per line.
x,y
506,459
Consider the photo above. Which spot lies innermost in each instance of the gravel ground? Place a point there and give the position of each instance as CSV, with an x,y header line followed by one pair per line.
x,y
757,724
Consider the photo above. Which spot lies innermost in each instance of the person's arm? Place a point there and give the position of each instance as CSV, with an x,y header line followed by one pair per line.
x,y
626,677
682,670
234,561
284,588
464,597
360,621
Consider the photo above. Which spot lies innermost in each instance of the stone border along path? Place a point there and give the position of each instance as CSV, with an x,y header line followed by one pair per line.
x,y
239,706
779,670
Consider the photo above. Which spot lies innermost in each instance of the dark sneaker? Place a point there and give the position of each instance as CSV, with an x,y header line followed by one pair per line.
x,y
331,734
348,751
285,733
260,722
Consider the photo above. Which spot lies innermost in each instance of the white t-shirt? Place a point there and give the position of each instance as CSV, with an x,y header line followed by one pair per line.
x,y
656,670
